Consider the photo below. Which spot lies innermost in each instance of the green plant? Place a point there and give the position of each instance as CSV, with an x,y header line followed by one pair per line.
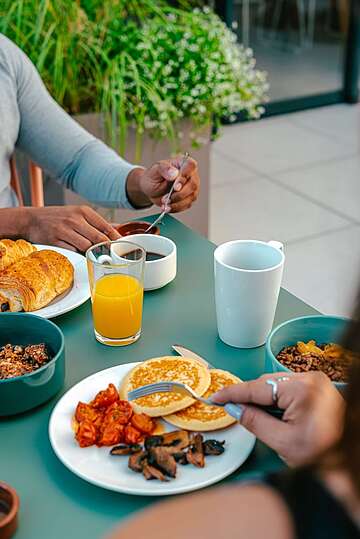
x,y
144,63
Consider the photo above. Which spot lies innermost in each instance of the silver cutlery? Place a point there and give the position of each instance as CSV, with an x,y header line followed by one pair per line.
x,y
177,387
185,352
161,216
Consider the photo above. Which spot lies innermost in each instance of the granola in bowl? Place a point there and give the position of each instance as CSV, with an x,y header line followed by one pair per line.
x,y
330,358
17,360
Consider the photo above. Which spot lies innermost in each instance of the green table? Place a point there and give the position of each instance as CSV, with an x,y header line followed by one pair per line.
x,y
55,504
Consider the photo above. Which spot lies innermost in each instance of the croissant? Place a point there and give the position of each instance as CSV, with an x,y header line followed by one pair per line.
x,y
12,251
33,282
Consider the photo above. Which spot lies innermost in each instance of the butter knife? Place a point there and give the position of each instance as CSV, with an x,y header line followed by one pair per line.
x,y
235,410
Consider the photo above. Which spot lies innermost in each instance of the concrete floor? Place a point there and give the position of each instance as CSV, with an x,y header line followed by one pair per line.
x,y
296,178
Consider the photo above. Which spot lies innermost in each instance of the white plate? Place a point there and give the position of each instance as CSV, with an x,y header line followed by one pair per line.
x,y
79,292
96,466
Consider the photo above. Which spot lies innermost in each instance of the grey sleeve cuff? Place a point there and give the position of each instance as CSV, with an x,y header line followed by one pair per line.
x,y
99,174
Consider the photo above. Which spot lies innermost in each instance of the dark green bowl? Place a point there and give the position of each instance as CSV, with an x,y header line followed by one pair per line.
x,y
22,393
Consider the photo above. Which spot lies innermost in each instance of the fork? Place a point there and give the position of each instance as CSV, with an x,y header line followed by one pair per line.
x,y
235,410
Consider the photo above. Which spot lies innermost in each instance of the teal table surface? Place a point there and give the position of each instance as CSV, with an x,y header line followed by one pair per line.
x,y
55,504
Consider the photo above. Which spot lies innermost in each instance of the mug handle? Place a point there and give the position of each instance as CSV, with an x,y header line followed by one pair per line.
x,y
276,244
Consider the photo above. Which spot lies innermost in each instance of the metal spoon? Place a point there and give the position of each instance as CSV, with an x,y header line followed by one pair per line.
x,y
161,216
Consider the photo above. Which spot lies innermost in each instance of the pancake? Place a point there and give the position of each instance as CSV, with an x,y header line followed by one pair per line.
x,y
202,417
164,369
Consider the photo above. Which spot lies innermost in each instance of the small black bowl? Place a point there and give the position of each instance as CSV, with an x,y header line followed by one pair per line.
x,y
22,393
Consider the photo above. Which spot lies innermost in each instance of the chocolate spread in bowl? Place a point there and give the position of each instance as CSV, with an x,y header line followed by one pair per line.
x,y
135,227
136,231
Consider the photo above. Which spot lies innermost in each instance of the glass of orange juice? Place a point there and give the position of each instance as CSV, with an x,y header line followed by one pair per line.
x,y
116,276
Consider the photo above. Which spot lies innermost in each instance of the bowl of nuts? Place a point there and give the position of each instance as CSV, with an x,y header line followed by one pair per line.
x,y
310,343
32,362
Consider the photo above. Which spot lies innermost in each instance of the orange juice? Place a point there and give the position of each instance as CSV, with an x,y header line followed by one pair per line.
x,y
117,306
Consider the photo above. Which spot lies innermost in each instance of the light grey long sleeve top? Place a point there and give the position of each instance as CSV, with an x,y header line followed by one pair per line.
x,y
33,122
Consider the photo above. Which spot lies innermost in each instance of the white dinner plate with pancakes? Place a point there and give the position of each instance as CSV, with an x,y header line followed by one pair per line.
x,y
78,293
97,466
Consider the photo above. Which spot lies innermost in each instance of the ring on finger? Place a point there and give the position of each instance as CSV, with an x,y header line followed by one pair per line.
x,y
274,389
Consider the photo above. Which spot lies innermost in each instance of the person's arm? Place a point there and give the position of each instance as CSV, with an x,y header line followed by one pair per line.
x,y
83,163
14,223
313,417
71,227
226,512
60,145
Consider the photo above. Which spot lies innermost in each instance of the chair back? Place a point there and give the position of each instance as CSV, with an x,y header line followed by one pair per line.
x,y
36,184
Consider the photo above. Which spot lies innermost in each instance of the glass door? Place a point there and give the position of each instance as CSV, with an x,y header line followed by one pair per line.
x,y
310,48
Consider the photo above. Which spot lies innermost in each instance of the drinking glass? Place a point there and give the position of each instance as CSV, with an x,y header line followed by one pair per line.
x,y
116,277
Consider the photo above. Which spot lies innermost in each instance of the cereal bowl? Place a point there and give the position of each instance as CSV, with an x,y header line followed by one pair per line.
x,y
320,328
21,393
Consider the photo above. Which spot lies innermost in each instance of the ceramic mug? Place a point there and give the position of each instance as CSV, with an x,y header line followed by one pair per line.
x,y
248,275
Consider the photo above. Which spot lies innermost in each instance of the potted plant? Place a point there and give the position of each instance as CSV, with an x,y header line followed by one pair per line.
x,y
159,77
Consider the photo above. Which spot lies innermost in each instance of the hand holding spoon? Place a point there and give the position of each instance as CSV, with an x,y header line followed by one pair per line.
x,y
161,216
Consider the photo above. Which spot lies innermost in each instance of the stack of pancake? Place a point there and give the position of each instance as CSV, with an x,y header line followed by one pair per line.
x,y
178,409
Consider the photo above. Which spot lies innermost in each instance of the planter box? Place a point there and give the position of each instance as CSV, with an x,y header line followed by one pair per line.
x,y
198,216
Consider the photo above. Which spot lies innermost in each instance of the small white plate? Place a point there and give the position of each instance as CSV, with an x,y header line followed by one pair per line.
x,y
98,467
77,295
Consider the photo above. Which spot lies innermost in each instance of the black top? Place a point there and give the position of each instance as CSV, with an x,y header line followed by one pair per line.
x,y
315,512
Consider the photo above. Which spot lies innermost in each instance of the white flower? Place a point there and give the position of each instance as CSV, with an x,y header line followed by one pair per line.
x,y
192,69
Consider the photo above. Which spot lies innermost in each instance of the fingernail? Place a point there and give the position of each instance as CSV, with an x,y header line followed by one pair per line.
x,y
235,410
178,187
164,198
167,209
173,173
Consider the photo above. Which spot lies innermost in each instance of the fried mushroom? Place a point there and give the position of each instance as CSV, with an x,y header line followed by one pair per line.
x,y
163,460
195,454
178,438
150,472
180,458
136,461
153,441
213,447
126,449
